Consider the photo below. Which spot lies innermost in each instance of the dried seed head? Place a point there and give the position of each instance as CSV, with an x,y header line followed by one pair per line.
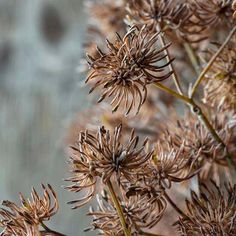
x,y
24,220
176,18
103,155
169,165
211,213
199,146
138,212
166,13
220,88
214,12
124,72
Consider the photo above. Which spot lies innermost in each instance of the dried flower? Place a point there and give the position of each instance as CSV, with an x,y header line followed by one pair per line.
x,y
200,148
167,13
169,165
103,156
130,65
220,88
211,213
137,210
214,12
24,220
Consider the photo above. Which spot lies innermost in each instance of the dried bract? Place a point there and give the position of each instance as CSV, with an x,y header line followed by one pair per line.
x,y
84,175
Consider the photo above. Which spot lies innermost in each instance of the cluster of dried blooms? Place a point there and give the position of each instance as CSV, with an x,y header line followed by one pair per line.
x,y
28,219
141,158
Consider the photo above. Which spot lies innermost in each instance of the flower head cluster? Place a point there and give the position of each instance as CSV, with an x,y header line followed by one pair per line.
x,y
104,156
131,63
24,220
210,213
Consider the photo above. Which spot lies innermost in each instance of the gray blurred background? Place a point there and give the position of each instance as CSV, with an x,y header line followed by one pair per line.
x,y
40,93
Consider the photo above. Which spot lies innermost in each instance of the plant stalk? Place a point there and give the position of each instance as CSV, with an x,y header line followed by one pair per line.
x,y
118,208
193,57
174,75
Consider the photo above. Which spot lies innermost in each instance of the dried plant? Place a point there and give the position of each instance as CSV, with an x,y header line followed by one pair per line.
x,y
220,88
138,213
128,67
25,220
199,147
103,156
214,12
169,14
141,185
210,213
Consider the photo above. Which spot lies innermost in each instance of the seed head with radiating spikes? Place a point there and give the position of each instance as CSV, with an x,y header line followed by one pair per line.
x,y
131,63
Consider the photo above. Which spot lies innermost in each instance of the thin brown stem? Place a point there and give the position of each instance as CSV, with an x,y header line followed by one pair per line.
x,y
118,208
48,230
171,202
172,92
174,75
210,63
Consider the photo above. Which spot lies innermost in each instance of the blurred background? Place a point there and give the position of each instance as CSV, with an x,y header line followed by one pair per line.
x,y
40,93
